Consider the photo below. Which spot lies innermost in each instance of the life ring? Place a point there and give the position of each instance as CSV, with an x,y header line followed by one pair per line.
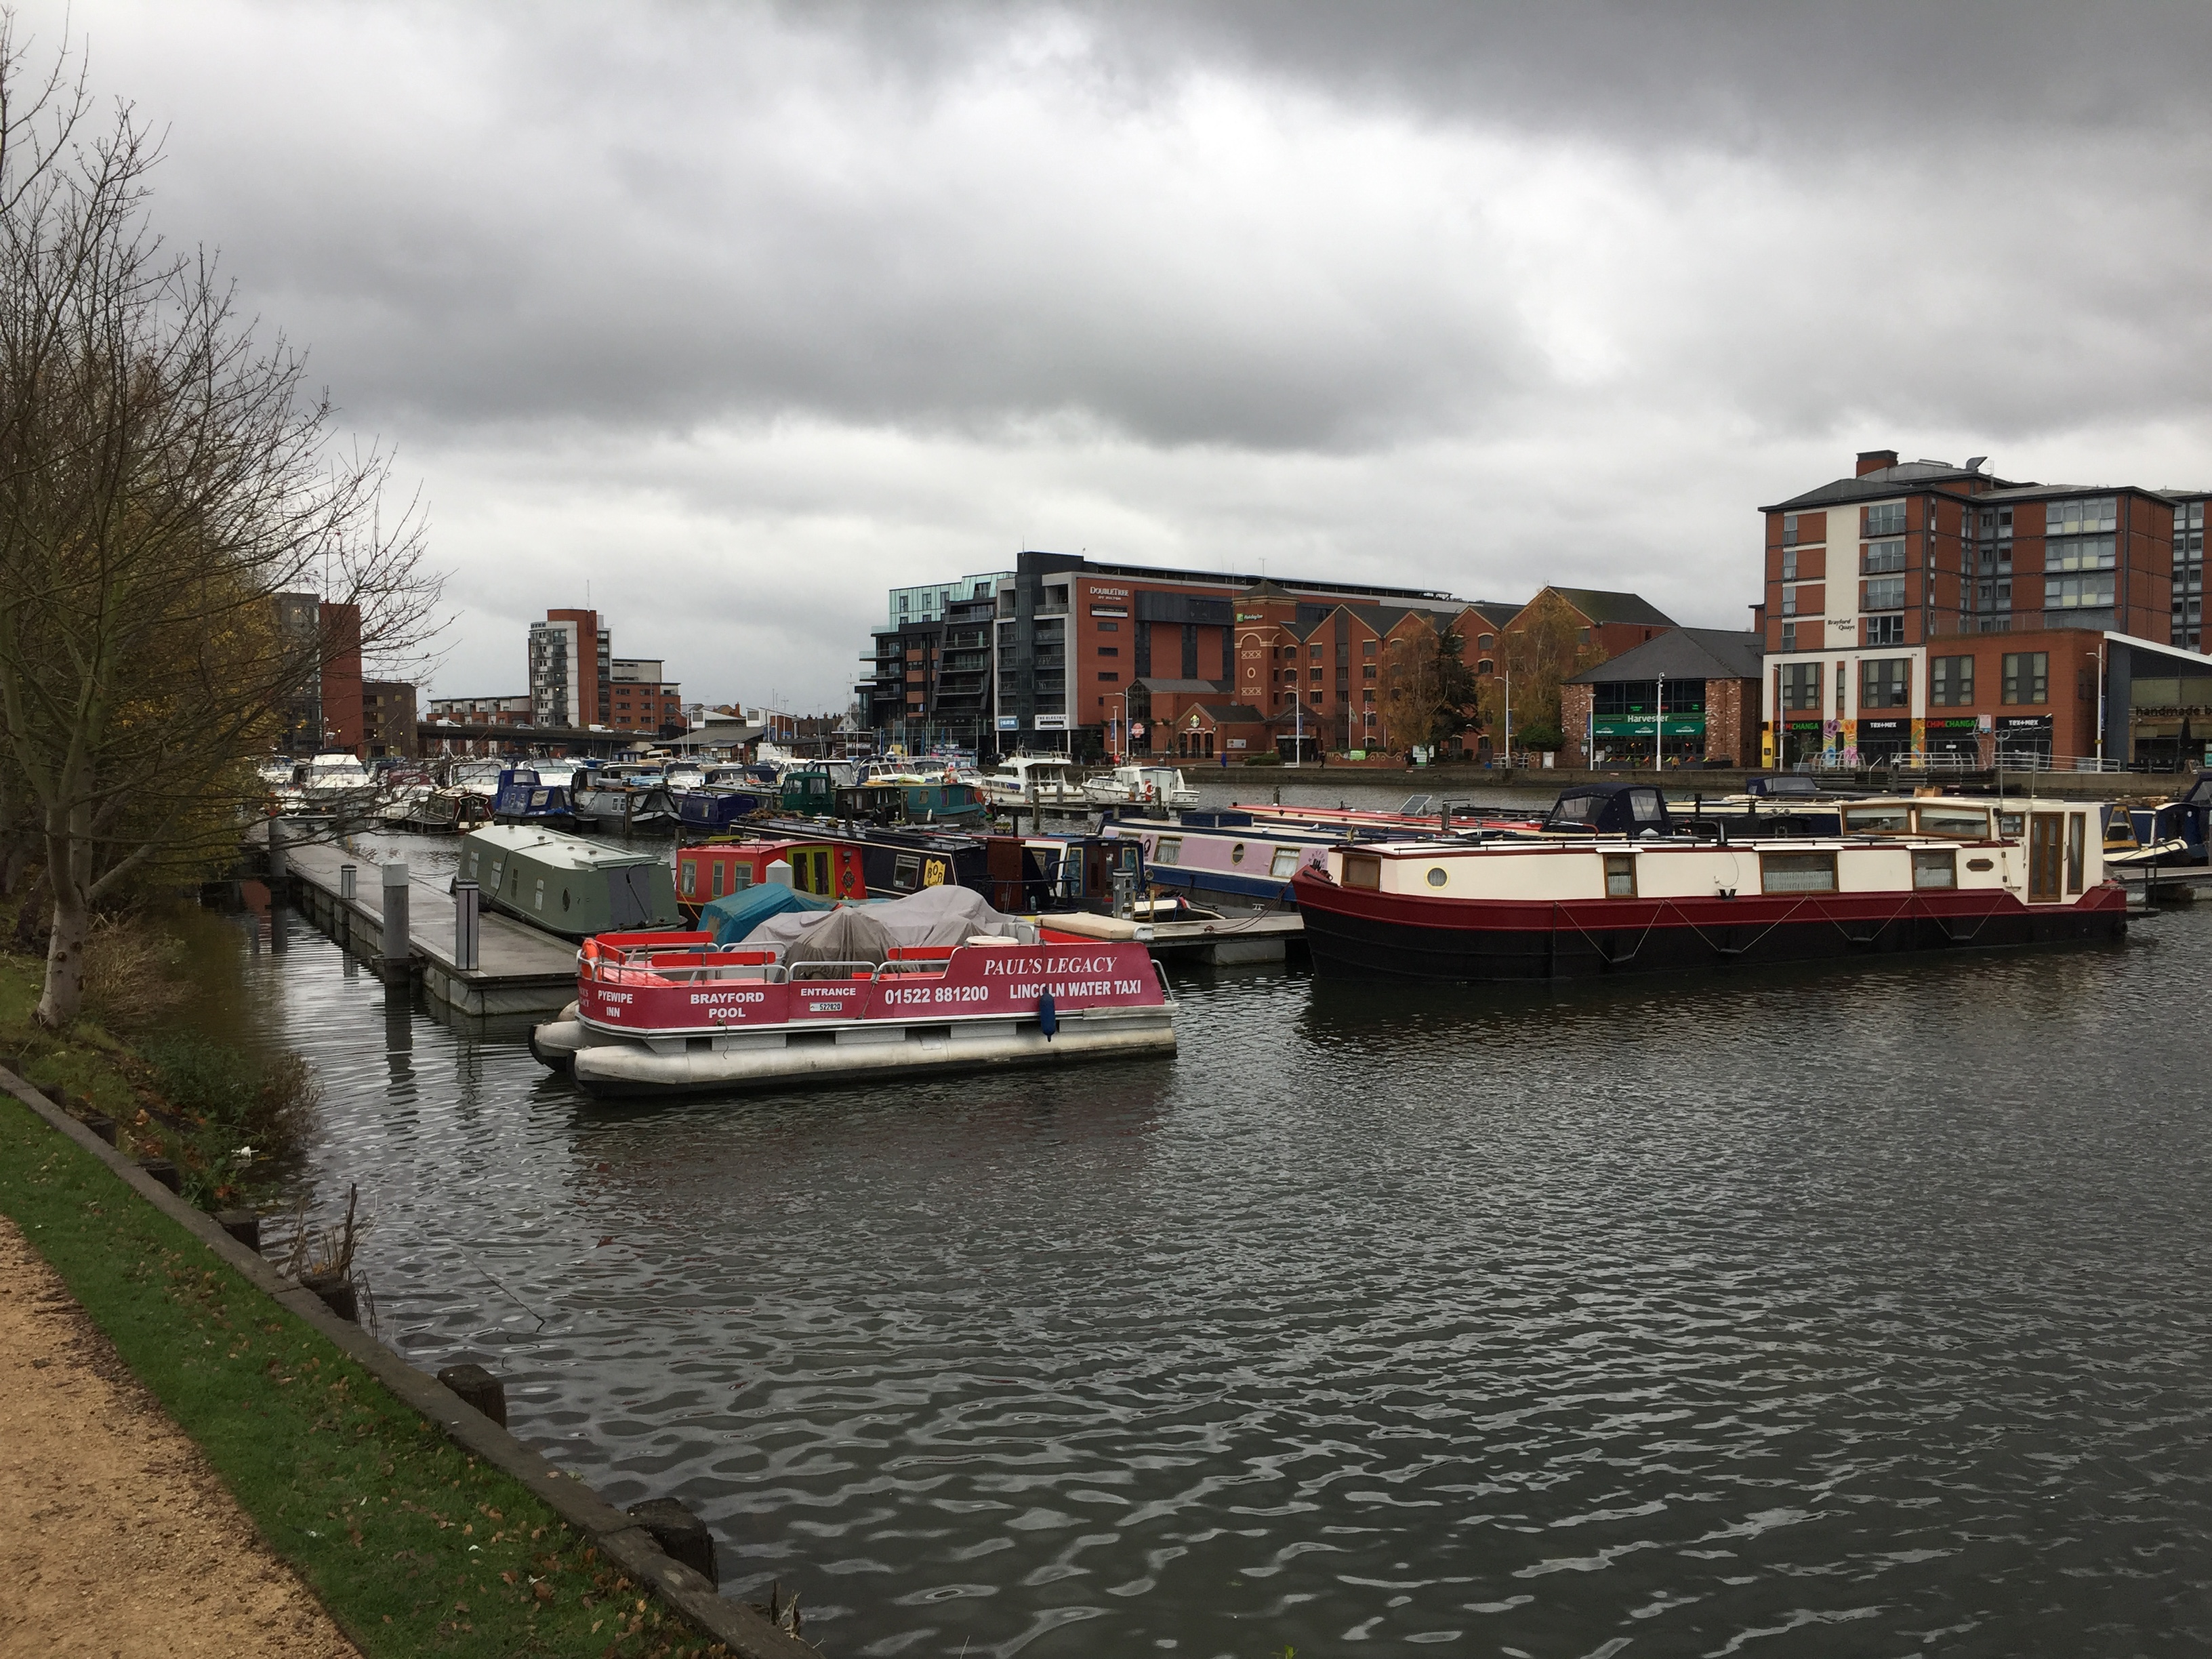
x,y
1151,792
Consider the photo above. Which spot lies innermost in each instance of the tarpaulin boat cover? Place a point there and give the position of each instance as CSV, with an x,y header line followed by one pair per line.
x,y
935,915
732,918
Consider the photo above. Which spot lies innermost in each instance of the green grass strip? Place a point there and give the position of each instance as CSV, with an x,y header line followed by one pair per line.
x,y
415,1545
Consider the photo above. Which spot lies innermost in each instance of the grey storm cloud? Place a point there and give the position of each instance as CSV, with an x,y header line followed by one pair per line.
x,y
1461,296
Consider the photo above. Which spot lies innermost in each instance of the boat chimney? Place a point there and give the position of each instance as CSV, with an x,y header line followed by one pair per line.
x,y
779,871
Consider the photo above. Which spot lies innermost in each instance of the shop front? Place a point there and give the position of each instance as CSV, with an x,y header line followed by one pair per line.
x,y
1627,739
2023,739
2170,719
1957,738
1880,741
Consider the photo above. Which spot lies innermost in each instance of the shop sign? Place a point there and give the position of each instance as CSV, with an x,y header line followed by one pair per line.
x,y
1052,722
1639,725
1010,723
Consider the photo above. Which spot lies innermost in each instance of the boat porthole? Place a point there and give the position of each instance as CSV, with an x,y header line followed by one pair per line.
x,y
1978,864
1436,877
1237,853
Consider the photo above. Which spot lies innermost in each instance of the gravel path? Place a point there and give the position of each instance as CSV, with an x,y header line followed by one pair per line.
x,y
115,1536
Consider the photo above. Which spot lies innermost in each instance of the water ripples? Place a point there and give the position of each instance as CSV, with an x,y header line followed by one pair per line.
x,y
1833,1311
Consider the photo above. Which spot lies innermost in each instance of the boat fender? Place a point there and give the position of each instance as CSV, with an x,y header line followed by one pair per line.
x,y
1047,1016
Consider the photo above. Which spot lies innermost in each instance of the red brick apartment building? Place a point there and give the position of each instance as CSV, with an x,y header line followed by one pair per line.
x,y
326,713
1119,658
1920,607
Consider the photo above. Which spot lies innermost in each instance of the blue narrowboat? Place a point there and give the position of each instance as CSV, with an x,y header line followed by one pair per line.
x,y
713,810
524,798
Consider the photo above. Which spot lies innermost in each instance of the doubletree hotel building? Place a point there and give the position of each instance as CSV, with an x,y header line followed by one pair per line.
x,y
1918,607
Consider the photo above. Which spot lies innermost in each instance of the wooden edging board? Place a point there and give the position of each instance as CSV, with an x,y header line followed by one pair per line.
x,y
615,1535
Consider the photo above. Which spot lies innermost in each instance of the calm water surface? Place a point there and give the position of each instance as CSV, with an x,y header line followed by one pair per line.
x,y
1853,1311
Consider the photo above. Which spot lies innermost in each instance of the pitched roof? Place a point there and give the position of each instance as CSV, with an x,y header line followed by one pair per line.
x,y
1603,606
1264,589
1179,688
1224,713
1496,612
1683,653
1905,478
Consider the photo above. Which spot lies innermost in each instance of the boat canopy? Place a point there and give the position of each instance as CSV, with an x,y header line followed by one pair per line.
x,y
1611,809
732,917
946,915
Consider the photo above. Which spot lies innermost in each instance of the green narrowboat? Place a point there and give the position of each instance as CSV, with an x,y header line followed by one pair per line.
x,y
568,884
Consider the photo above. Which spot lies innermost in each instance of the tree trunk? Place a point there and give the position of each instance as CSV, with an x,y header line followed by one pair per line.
x,y
64,989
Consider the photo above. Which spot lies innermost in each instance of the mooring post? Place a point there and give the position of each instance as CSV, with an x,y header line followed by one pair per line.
x,y
399,945
465,903
275,855
347,876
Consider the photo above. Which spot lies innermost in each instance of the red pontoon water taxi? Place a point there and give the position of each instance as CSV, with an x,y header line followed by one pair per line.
x,y
1617,885
663,1013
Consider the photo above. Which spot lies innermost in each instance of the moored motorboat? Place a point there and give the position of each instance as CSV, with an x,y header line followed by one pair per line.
x,y
845,994
1035,780
1140,785
1634,893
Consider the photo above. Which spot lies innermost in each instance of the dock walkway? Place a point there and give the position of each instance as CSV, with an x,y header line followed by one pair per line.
x,y
520,969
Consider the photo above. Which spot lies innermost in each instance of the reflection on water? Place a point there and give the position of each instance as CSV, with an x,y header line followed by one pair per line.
x,y
1861,1307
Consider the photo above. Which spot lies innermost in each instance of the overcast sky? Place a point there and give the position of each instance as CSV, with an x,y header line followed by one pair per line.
x,y
743,314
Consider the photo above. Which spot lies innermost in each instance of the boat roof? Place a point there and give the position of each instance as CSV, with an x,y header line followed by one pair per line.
x,y
553,848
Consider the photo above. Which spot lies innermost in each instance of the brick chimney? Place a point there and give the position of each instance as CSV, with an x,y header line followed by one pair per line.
x,y
1873,460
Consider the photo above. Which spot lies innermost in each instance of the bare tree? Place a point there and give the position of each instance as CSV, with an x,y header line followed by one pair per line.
x,y
162,478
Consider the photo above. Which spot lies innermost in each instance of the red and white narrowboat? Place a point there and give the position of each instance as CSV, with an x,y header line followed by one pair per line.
x,y
1637,892
670,1012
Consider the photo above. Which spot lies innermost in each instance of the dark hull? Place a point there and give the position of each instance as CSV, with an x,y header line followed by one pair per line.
x,y
1368,936
718,811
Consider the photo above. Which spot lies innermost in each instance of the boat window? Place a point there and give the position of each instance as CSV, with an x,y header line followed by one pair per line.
x,y
1363,870
1285,863
2077,841
1576,809
496,864
473,856
1938,867
1797,873
1965,822
1237,853
1169,851
687,877
741,876
714,880
1887,818
2011,824
539,897
1620,875
1647,805
906,870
